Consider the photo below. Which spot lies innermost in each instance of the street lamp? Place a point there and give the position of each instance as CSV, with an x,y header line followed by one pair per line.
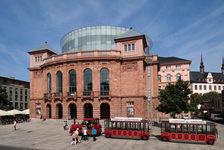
x,y
149,60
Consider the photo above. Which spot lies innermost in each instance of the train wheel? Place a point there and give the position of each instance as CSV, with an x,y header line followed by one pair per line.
x,y
107,135
145,137
165,139
211,142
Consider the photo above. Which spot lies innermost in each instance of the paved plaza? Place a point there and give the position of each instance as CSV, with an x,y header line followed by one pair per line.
x,y
49,134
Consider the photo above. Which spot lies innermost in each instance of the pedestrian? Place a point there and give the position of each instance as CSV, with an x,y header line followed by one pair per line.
x,y
74,138
65,124
14,124
85,134
77,135
94,134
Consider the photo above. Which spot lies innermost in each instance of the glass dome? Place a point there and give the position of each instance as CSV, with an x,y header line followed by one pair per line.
x,y
93,38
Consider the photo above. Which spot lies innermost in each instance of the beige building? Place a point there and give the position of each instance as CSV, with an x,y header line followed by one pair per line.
x,y
18,92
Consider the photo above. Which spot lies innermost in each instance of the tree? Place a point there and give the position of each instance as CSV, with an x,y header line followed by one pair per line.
x,y
4,102
174,98
195,100
210,95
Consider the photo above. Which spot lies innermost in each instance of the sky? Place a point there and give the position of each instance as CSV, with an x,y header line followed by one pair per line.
x,y
181,28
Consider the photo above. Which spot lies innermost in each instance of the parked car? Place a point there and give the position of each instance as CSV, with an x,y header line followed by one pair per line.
x,y
185,116
216,117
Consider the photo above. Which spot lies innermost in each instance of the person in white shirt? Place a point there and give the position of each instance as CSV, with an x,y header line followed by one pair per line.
x,y
14,124
74,138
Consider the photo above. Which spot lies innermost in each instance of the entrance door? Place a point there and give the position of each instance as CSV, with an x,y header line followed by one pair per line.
x,y
49,111
88,113
73,111
59,111
104,111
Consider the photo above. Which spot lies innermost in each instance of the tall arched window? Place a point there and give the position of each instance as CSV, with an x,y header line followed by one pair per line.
x,y
168,77
48,83
87,82
104,81
178,76
72,82
59,82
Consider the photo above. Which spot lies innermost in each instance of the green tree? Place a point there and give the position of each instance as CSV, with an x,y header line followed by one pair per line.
x,y
195,100
4,102
174,98
210,95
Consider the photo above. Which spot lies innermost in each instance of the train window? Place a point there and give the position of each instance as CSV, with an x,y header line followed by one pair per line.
x,y
172,127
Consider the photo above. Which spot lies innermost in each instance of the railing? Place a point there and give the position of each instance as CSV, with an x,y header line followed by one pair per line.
x,y
57,94
47,95
87,93
71,93
104,93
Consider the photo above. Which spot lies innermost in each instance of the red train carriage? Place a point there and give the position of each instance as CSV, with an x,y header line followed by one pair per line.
x,y
189,130
89,123
122,127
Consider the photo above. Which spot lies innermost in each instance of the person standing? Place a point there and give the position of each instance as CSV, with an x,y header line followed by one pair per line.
x,y
74,138
94,134
14,124
64,125
85,134
77,135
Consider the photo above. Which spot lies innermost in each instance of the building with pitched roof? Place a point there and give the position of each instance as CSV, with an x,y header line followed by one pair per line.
x,y
171,69
203,82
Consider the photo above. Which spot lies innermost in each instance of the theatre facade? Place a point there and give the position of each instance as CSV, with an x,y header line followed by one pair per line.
x,y
102,72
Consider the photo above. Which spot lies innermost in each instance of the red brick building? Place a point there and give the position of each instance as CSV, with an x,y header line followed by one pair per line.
x,y
100,82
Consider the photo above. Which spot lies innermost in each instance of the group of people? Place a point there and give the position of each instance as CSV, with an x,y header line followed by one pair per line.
x,y
75,135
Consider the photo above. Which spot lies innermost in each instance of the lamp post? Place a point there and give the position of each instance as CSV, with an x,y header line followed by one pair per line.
x,y
149,60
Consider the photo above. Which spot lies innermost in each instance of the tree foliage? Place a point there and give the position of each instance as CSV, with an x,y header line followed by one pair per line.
x,y
4,102
210,95
195,100
174,98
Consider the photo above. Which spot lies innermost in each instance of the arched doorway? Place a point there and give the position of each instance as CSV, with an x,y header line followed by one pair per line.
x,y
48,111
59,111
88,110
72,110
104,111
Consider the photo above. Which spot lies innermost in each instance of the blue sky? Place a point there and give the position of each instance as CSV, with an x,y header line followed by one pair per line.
x,y
181,28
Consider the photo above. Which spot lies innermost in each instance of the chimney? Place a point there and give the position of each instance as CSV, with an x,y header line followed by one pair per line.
x,y
202,66
222,69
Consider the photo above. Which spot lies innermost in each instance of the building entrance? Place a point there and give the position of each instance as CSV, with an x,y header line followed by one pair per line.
x,y
48,111
88,113
104,111
59,111
72,110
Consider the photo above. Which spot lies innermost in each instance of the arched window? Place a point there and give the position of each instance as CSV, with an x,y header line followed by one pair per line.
x,y
168,78
178,76
104,81
59,82
72,82
48,83
87,82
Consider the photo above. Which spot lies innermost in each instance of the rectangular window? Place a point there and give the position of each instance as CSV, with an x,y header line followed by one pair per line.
x,y
219,88
38,111
130,103
26,106
125,48
16,105
129,47
200,87
168,67
130,111
133,47
159,78
210,87
36,59
205,88
215,87
178,66
195,87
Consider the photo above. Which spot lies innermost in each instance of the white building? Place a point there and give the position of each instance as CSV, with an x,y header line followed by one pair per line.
x,y
203,82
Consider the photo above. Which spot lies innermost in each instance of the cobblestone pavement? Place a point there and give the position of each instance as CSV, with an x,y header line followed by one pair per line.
x,y
50,135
